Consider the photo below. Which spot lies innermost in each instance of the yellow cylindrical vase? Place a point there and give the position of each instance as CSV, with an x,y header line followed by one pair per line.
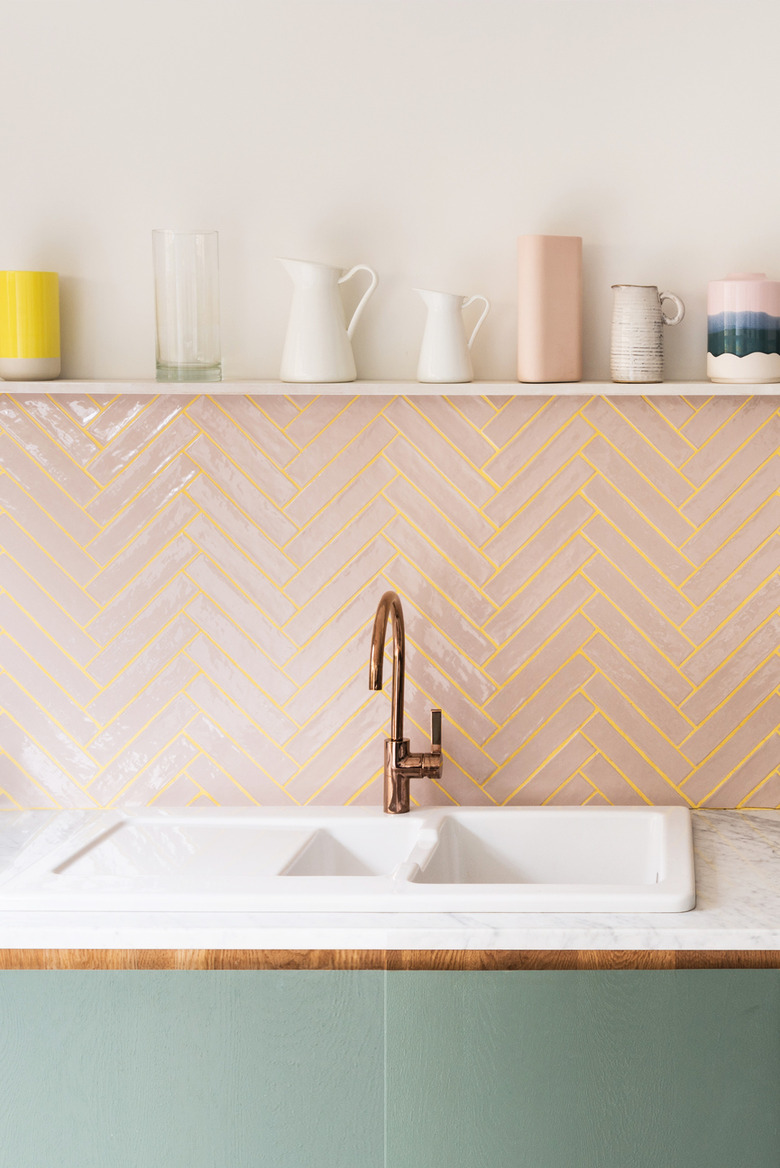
x,y
29,326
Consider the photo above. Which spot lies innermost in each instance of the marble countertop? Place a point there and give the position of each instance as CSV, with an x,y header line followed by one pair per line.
x,y
738,908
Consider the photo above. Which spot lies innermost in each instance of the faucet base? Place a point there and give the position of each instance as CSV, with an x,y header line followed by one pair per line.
x,y
401,766
396,795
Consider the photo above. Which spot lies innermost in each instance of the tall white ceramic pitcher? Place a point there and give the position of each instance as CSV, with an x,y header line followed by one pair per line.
x,y
445,354
317,346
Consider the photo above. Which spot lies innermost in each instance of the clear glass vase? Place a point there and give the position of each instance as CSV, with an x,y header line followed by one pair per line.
x,y
186,284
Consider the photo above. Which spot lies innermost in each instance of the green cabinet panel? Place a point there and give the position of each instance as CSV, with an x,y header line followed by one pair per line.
x,y
293,1069
629,1069
191,1069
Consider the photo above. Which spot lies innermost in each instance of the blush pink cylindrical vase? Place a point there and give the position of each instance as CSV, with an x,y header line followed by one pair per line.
x,y
549,301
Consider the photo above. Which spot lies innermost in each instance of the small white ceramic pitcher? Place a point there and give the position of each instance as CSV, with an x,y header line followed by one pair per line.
x,y
445,355
317,346
638,319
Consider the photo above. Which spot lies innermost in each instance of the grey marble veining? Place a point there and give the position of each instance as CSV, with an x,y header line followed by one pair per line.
x,y
738,907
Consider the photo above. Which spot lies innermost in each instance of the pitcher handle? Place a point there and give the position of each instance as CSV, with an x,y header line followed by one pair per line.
x,y
366,294
677,302
479,323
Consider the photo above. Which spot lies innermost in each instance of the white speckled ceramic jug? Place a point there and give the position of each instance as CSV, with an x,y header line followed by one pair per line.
x,y
638,319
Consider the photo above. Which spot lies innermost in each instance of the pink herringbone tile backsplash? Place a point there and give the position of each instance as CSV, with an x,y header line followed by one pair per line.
x,y
187,585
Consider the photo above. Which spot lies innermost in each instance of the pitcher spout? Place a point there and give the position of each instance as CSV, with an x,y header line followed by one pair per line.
x,y
304,272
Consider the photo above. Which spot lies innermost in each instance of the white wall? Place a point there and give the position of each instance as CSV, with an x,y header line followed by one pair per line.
x,y
420,136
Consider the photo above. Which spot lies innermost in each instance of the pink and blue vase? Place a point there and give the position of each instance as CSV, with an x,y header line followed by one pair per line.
x,y
743,329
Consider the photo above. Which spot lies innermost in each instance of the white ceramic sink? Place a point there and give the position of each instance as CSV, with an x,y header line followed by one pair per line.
x,y
529,859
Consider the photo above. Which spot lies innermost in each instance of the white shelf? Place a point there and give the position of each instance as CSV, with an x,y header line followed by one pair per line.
x,y
391,388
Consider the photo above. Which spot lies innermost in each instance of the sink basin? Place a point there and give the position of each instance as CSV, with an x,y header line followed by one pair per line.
x,y
566,858
518,859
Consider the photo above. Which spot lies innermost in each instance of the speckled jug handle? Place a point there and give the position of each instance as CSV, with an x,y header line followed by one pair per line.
x,y
680,307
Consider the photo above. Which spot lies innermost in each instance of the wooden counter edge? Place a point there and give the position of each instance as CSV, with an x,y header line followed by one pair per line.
x,y
379,959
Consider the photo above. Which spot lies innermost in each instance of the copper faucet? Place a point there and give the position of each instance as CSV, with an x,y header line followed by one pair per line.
x,y
400,764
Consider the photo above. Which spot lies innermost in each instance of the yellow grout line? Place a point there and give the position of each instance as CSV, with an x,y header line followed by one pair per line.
x,y
520,548
319,513
570,778
150,761
630,502
436,470
743,803
733,494
640,752
149,597
734,652
729,538
211,717
138,530
598,791
672,624
9,434
649,442
71,619
37,665
639,749
597,630
678,747
545,761
518,673
344,445
348,401
325,745
103,690
217,402
741,762
233,504
771,575
110,565
451,563
45,750
230,582
48,517
737,449
523,705
477,468
377,773
530,737
182,774
524,625
516,596
478,548
203,753
608,557
239,548
337,573
147,443
42,629
361,509
732,693
539,450
252,680
128,625
453,403
30,417
536,494
300,648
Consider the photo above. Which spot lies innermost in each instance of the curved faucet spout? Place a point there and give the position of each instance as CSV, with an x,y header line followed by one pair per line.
x,y
389,608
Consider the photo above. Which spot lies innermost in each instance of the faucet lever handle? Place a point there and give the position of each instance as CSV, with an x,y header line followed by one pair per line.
x,y
435,731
